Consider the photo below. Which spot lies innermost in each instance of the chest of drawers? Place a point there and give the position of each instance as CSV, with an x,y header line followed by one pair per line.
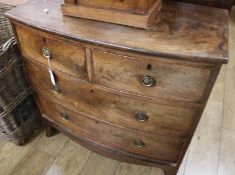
x,y
130,94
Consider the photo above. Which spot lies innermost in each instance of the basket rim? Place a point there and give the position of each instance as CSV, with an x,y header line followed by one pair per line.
x,y
8,45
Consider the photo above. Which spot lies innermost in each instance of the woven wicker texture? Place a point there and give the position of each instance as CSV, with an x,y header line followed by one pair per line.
x,y
5,27
18,112
18,125
12,76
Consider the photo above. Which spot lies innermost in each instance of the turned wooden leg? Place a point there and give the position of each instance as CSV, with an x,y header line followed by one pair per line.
x,y
50,131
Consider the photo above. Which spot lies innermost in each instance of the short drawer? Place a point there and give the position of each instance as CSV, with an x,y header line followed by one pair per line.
x,y
131,142
64,57
163,80
134,113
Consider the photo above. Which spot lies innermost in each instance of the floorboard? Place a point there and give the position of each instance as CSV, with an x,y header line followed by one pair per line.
x,y
11,155
70,161
100,165
156,171
204,150
35,162
51,145
229,100
130,169
227,153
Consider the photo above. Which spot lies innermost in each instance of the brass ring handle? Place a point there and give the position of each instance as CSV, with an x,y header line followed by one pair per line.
x,y
56,89
64,116
46,52
141,116
148,81
138,143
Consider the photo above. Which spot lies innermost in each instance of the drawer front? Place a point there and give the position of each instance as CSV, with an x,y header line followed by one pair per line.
x,y
138,143
64,57
150,78
132,113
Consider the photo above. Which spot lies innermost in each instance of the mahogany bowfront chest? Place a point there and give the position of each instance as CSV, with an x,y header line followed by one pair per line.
x,y
131,94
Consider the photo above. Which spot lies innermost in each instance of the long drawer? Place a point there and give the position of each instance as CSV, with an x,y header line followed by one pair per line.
x,y
164,80
64,56
133,142
129,112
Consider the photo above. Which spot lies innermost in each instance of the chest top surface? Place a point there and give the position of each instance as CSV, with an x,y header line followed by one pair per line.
x,y
185,31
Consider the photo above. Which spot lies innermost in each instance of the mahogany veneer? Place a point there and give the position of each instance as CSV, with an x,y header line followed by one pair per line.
x,y
137,13
133,6
130,94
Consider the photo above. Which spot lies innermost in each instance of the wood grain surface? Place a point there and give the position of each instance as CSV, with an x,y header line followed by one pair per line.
x,y
137,14
134,6
168,120
64,57
173,82
172,37
155,147
11,155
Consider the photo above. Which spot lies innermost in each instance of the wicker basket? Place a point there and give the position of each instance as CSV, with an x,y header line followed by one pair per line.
x,y
18,124
5,27
18,112
12,77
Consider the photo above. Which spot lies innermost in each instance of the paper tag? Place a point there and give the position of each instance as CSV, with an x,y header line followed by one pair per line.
x,y
52,77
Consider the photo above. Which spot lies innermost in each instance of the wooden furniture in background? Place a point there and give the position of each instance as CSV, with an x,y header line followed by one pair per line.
x,y
225,4
130,94
137,13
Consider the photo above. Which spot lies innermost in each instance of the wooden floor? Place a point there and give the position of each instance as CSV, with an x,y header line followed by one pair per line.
x,y
212,151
